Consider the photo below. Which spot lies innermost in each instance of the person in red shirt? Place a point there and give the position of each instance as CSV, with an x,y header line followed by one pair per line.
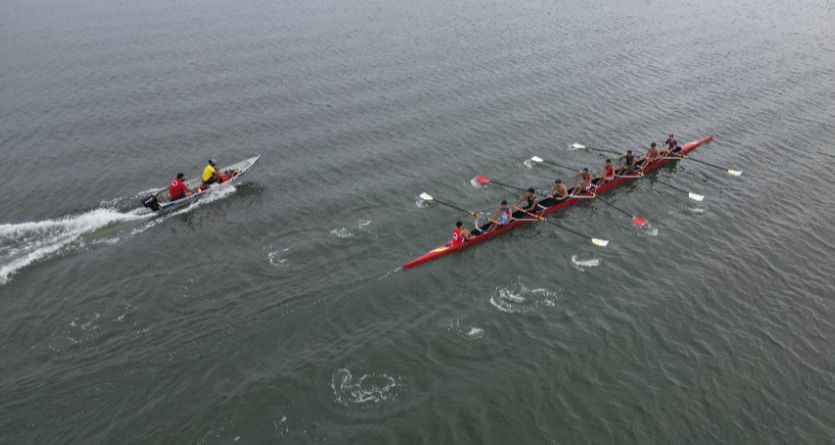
x,y
460,235
178,189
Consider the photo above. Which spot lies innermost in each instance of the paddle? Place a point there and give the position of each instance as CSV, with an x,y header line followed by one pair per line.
x,y
636,219
729,171
595,241
428,198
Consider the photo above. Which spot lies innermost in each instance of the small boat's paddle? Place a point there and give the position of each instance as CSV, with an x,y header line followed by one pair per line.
x,y
595,241
729,171
426,197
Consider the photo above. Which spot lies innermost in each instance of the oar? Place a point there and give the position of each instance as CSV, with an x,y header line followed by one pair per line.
x,y
537,160
636,219
694,196
484,180
595,241
428,198
576,146
729,171
691,195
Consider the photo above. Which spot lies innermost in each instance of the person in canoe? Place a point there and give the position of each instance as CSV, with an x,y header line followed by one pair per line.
x,y
651,156
178,189
608,174
210,174
627,160
460,235
585,184
529,201
501,217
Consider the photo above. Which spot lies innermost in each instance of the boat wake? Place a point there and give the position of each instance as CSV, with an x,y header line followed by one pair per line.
x,y
519,299
369,390
23,244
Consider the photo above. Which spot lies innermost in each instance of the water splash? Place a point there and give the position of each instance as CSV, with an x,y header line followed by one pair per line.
x,y
518,298
582,265
370,389
342,232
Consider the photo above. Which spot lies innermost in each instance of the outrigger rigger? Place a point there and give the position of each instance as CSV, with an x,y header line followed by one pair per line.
x,y
551,206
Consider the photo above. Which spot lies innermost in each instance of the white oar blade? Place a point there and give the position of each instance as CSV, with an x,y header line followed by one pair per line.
x,y
600,242
576,146
696,196
426,196
734,172
532,161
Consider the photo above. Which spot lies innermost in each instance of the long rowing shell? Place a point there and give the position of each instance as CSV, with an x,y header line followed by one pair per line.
x,y
445,249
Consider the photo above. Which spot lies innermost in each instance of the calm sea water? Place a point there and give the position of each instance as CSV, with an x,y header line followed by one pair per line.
x,y
276,312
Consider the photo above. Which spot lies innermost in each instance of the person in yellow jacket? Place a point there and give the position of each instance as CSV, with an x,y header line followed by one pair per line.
x,y
210,174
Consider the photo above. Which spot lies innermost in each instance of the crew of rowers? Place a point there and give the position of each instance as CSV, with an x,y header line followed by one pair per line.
x,y
583,182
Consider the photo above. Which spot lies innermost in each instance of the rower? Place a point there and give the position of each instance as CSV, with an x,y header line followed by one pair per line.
x,y
585,182
178,189
460,235
628,162
651,156
558,191
530,199
608,174
501,217
670,144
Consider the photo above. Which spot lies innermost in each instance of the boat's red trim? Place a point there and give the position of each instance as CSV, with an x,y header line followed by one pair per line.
x,y
445,249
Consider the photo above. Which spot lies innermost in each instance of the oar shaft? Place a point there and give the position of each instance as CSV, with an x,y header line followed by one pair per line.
x,y
554,164
453,206
602,150
687,158
543,219
614,206
512,187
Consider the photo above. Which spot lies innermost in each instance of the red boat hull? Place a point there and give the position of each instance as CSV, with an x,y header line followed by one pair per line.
x,y
445,249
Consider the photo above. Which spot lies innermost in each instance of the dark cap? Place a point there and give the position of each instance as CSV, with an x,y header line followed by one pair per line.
x,y
531,190
180,175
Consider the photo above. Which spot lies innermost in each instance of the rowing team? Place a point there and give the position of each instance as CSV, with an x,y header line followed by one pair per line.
x,y
587,183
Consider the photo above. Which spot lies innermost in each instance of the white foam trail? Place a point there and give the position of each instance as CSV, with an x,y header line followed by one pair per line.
x,y
29,242
23,244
